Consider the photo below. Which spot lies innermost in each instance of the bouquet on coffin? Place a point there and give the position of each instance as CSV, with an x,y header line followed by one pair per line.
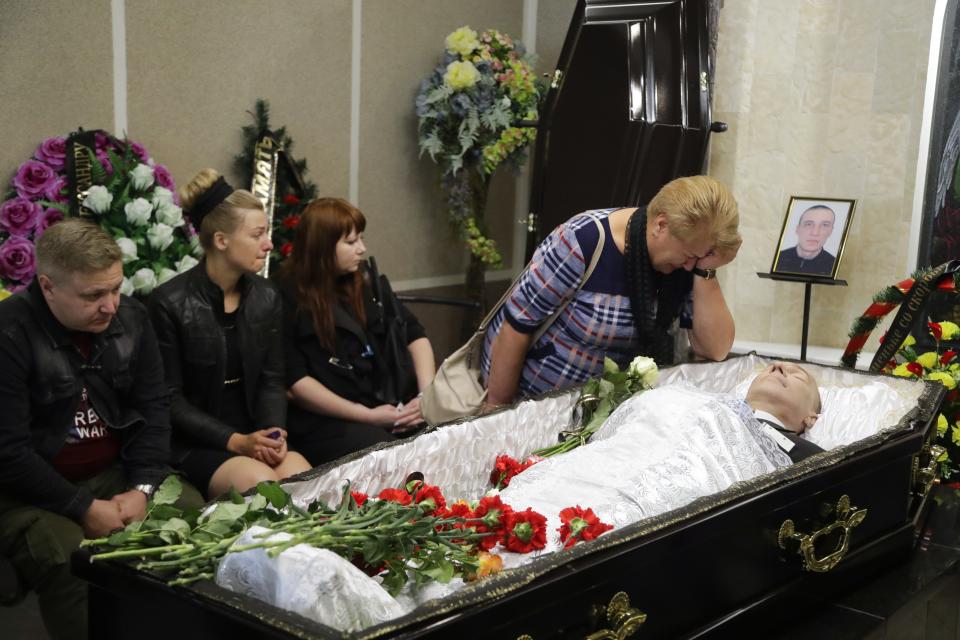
x,y
366,549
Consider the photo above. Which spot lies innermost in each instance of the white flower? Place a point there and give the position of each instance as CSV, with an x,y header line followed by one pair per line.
x,y
165,274
195,247
138,212
141,177
126,287
128,248
143,281
186,263
98,199
160,236
645,370
170,214
505,101
161,195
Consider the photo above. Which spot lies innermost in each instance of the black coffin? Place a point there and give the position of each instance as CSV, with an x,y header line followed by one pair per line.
x,y
628,108
722,566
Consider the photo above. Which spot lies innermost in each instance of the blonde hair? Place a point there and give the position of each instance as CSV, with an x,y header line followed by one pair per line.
x,y
224,216
75,245
699,206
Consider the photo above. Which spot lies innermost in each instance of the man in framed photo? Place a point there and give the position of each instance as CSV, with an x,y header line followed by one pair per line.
x,y
808,256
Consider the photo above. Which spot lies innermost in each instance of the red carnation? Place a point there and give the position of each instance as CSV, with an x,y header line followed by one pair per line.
x,y
915,368
526,531
460,509
291,199
947,357
580,524
493,513
400,496
430,497
503,471
935,330
291,222
359,497
286,249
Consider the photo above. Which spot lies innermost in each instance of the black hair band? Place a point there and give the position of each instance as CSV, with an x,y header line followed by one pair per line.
x,y
219,191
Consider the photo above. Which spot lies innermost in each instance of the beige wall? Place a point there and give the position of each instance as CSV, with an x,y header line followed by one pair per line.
x,y
823,98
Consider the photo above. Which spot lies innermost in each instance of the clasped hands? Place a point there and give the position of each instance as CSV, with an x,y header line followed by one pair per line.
x,y
104,516
397,419
269,445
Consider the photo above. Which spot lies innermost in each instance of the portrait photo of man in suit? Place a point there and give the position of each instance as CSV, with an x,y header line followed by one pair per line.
x,y
815,226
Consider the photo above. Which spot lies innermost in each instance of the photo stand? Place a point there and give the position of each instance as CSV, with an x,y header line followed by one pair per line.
x,y
809,281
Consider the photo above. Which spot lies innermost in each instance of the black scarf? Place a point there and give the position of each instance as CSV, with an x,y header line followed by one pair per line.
x,y
648,287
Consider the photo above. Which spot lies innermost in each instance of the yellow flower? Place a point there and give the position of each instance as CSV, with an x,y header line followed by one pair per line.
x,y
461,75
941,425
909,342
928,360
955,434
4,294
949,329
943,378
902,371
462,41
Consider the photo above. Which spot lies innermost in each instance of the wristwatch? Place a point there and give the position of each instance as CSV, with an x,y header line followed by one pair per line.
x,y
145,489
706,274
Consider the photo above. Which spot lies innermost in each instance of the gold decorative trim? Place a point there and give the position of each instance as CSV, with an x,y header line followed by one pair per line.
x,y
847,519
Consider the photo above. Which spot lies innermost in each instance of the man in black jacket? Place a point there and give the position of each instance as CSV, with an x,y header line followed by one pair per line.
x,y
84,415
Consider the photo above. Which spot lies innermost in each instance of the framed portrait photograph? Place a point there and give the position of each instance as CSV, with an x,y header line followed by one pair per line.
x,y
812,238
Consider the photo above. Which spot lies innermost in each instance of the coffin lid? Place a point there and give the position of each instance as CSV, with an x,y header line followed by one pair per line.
x,y
628,109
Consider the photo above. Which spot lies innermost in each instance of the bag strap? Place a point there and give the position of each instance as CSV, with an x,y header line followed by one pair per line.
x,y
556,314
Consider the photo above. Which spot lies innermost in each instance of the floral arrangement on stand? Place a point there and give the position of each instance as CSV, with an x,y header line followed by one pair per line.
x,y
941,365
290,199
477,111
132,198
598,398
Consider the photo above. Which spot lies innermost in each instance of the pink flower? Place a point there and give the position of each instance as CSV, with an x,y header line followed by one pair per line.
x,y
163,178
19,216
102,141
139,151
105,161
47,218
54,191
17,260
32,178
53,151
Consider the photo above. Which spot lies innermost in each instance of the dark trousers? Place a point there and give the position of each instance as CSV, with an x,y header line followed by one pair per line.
x,y
322,439
38,544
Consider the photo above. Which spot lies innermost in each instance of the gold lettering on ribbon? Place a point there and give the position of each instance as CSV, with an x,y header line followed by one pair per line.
x,y
264,186
83,174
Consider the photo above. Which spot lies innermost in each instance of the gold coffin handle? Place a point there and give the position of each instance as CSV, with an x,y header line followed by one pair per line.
x,y
928,474
847,519
624,620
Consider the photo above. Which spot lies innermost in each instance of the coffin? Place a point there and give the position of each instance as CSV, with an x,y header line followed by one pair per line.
x,y
723,564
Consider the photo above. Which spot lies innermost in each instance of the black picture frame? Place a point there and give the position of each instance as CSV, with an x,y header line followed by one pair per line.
x,y
823,246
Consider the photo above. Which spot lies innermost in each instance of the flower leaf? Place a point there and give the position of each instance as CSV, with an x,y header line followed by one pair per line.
x,y
274,493
169,491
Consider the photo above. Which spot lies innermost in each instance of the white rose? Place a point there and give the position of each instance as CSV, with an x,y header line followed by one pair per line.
x,y
186,263
160,236
161,196
126,287
195,247
645,370
170,214
141,177
98,199
128,248
165,274
138,212
143,281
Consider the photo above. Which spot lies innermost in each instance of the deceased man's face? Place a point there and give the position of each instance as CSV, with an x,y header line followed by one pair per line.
x,y
815,227
790,390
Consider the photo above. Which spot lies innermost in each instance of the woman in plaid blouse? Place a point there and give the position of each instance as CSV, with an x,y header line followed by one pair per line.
x,y
660,260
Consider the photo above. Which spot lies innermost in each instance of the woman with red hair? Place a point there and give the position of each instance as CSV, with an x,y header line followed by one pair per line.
x,y
342,375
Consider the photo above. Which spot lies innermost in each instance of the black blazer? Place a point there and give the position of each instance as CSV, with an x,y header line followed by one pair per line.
x,y
187,313
352,371
42,375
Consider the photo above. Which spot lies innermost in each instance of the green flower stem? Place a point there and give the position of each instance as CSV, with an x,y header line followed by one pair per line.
x,y
190,580
137,553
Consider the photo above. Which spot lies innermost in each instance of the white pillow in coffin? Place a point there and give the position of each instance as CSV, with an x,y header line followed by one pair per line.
x,y
848,414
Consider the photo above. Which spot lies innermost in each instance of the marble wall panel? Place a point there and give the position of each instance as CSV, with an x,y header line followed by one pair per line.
x,y
56,74
196,68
